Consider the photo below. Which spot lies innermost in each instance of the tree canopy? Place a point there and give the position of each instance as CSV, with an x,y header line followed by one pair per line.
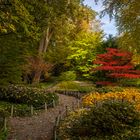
x,y
127,17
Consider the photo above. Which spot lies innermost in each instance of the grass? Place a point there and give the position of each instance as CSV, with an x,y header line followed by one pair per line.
x,y
75,86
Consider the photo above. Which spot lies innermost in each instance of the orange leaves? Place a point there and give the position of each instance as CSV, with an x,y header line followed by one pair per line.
x,y
129,94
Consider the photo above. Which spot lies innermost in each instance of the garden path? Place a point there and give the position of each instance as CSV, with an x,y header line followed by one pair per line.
x,y
38,127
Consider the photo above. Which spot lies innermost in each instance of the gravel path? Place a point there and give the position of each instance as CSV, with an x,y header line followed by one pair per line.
x,y
39,127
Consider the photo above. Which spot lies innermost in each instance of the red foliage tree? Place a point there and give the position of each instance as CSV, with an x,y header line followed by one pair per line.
x,y
115,64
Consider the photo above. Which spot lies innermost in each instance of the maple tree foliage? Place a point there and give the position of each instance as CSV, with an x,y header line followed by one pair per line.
x,y
116,64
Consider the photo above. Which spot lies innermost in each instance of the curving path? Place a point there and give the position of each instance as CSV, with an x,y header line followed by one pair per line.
x,y
38,127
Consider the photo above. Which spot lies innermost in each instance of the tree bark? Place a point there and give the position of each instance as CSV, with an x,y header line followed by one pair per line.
x,y
44,43
36,77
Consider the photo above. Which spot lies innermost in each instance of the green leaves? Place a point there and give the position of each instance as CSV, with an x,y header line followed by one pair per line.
x,y
126,14
83,52
107,120
26,95
11,60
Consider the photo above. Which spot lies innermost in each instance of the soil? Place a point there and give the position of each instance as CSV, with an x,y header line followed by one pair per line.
x,y
39,127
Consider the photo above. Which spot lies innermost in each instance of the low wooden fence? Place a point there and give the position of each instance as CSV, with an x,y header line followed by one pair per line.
x,y
31,108
73,93
31,111
62,115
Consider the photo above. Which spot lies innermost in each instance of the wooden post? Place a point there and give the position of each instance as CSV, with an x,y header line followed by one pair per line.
x,y
53,103
73,106
46,107
5,124
55,135
12,110
60,117
56,121
78,103
32,110
66,110
58,101
81,105
78,95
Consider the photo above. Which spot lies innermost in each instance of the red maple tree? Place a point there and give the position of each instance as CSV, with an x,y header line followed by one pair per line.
x,y
116,64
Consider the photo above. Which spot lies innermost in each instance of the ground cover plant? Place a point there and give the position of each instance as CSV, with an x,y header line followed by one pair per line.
x,y
130,94
18,109
3,131
68,76
26,95
75,86
107,120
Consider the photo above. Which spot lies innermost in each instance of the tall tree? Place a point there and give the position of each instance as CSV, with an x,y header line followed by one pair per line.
x,y
19,27
79,44
63,25
83,52
127,16
35,21
109,42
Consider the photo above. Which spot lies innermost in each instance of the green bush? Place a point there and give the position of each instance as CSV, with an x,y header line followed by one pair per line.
x,y
67,85
71,85
130,82
26,95
66,126
19,109
107,120
108,89
67,76
3,114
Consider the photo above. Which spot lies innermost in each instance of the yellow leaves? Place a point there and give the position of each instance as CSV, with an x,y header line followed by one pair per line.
x,y
130,94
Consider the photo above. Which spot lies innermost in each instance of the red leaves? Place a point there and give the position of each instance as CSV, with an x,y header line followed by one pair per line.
x,y
114,68
124,75
116,64
114,57
105,83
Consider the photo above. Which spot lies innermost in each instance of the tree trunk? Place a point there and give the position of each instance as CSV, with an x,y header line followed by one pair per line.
x,y
36,77
44,43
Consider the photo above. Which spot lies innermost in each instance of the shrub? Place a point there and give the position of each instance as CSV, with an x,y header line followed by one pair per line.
x,y
71,85
129,82
19,109
3,133
107,120
110,117
66,85
3,114
67,76
66,126
130,94
26,95
108,89
116,64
